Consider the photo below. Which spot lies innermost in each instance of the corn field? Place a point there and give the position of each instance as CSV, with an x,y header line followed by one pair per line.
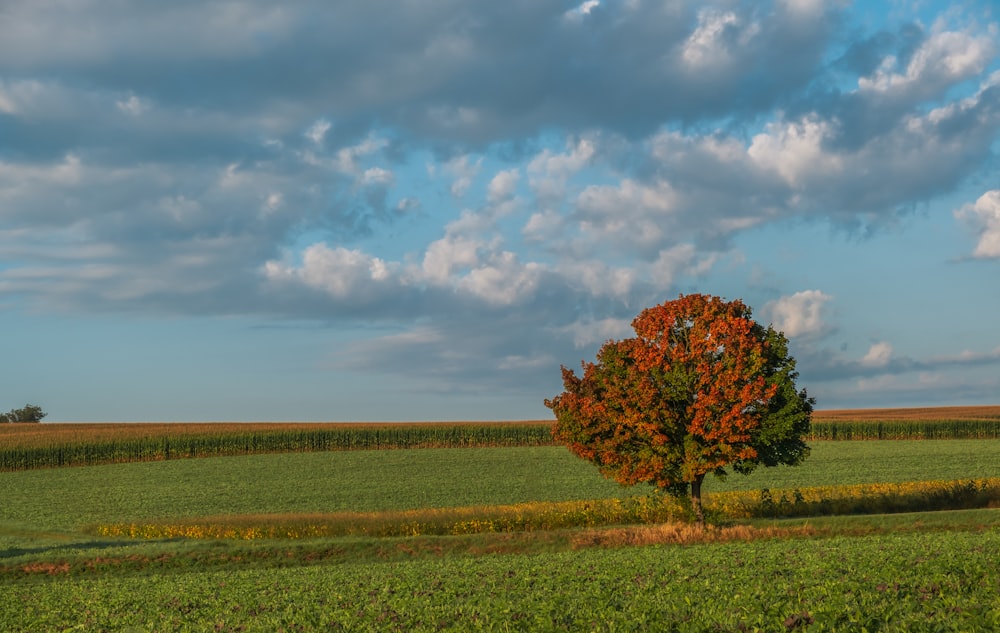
x,y
24,447
173,442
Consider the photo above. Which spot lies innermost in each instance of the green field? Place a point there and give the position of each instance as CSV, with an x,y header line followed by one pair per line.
x,y
933,571
67,498
913,582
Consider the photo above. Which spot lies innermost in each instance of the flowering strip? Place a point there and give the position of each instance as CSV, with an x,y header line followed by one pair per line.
x,y
527,517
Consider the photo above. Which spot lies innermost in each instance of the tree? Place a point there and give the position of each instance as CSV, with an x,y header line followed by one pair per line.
x,y
702,387
28,413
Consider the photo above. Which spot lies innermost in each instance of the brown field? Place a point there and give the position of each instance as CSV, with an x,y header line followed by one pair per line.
x,y
985,412
57,433
60,433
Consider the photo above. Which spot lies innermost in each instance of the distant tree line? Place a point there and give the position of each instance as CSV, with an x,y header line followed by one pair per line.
x,y
27,413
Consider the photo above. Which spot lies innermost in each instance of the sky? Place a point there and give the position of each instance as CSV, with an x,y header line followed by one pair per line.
x,y
352,211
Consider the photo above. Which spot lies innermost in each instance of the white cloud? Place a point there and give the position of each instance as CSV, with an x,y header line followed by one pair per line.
x,y
800,314
347,158
600,280
503,280
543,226
550,171
630,214
317,131
18,177
503,185
448,254
133,106
878,355
706,47
671,262
588,332
807,8
463,169
946,57
272,203
580,11
984,218
342,273
795,150
377,176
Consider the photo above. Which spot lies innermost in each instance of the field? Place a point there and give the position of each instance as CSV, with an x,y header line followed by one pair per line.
x,y
933,571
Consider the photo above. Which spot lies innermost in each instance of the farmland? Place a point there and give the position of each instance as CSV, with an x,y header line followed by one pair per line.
x,y
887,572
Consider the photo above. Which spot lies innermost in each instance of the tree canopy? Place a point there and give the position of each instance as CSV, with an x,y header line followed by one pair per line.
x,y
702,387
27,413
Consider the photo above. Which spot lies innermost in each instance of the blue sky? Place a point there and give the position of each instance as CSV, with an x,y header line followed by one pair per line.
x,y
317,210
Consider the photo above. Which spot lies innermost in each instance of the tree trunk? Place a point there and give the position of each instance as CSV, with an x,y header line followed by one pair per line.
x,y
699,514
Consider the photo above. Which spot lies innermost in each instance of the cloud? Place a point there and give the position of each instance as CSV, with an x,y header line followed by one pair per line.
x,y
340,272
706,48
549,171
503,185
317,131
881,361
214,158
983,217
463,169
800,314
878,355
944,58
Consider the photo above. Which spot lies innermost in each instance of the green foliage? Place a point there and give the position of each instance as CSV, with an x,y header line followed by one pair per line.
x,y
781,437
27,413
941,582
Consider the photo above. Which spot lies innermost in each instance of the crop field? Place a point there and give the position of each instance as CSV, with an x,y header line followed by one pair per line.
x,y
910,414
27,446
526,538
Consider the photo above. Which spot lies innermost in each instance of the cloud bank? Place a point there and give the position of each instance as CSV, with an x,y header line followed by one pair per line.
x,y
503,187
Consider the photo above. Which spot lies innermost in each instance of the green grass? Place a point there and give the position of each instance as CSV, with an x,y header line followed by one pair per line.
x,y
915,572
846,463
898,582
297,482
67,498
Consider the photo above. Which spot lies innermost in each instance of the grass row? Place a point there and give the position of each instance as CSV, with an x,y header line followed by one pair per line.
x,y
24,447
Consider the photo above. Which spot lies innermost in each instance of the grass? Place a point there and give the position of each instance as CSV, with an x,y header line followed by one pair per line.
x,y
68,498
928,571
920,581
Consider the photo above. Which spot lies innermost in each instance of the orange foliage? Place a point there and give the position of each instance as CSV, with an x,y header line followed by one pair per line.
x,y
682,399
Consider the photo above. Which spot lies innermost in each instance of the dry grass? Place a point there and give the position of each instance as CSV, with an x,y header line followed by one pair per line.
x,y
681,534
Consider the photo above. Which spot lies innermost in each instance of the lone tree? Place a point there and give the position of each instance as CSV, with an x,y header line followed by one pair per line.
x,y
28,413
702,387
